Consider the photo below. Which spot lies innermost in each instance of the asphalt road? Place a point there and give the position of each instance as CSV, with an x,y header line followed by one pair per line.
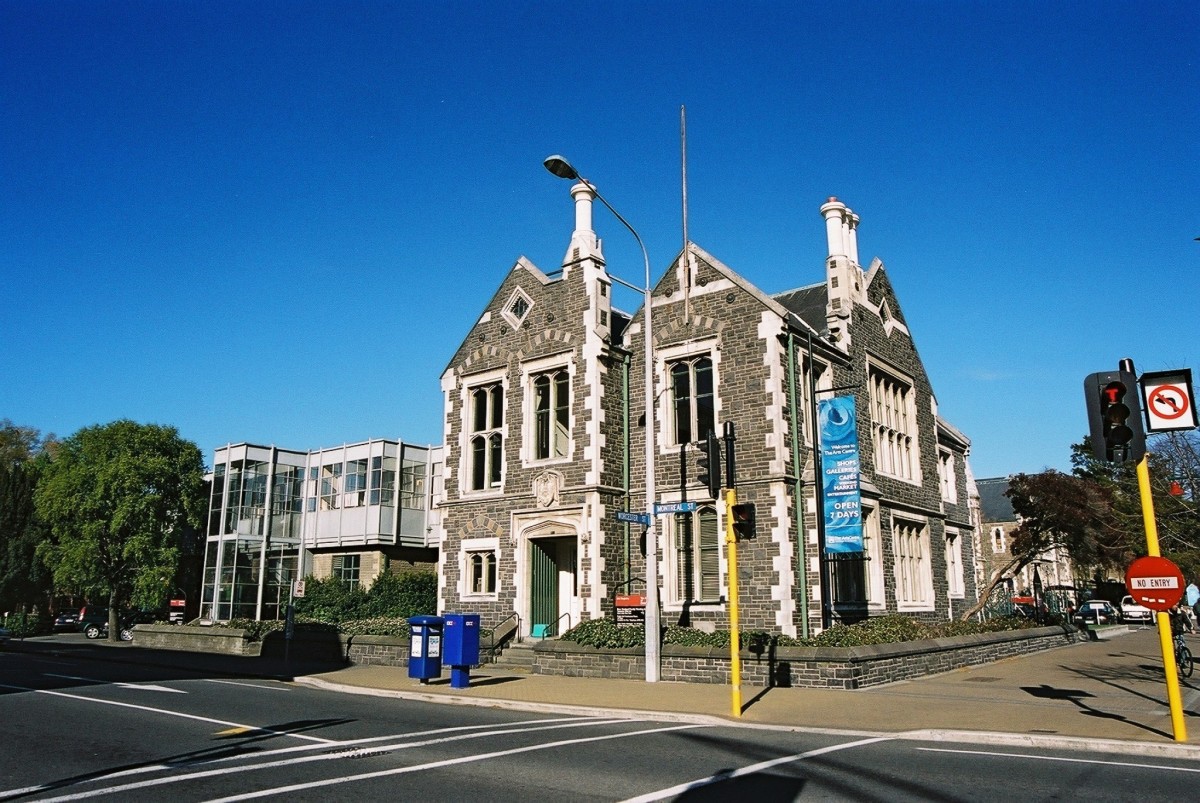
x,y
78,728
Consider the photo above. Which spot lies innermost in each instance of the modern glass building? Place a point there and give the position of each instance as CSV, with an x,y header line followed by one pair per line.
x,y
351,512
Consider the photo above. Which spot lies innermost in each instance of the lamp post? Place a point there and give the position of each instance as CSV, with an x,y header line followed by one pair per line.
x,y
560,167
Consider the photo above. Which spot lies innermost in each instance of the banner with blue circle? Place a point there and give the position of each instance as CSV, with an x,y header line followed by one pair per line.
x,y
838,431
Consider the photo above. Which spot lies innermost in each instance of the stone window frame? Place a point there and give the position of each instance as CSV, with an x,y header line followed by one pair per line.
x,y
955,580
496,385
912,564
1000,539
895,430
665,358
947,477
674,599
824,382
530,373
481,549
516,310
868,564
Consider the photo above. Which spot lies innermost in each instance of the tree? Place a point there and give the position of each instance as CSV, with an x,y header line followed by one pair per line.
x,y
1059,510
118,498
24,580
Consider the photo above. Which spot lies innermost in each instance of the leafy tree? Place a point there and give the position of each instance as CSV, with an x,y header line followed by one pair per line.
x,y
24,580
1060,510
19,445
118,498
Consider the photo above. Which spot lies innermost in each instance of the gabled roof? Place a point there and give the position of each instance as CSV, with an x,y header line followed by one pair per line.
x,y
993,504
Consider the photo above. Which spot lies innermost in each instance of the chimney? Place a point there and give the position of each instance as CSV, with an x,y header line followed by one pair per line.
x,y
583,240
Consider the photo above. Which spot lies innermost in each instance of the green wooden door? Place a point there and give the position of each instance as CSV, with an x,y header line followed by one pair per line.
x,y
543,597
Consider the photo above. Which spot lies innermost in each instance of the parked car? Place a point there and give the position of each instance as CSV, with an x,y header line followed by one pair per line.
x,y
1131,611
91,615
5,635
1097,612
65,621
97,626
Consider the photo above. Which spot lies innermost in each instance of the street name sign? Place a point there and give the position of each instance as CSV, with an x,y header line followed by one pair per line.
x,y
1154,582
673,507
634,518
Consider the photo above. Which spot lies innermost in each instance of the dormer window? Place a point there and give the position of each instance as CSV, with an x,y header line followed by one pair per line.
x,y
517,308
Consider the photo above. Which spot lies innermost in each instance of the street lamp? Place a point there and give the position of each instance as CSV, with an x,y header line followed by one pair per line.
x,y
560,167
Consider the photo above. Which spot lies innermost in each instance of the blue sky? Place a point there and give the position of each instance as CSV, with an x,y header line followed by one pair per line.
x,y
275,221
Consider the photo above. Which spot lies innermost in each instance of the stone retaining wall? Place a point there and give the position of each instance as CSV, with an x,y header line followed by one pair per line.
x,y
812,667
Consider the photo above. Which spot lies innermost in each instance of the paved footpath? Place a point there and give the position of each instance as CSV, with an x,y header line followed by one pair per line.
x,y
1111,693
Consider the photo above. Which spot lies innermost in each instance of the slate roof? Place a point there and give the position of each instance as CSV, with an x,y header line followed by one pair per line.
x,y
807,303
994,505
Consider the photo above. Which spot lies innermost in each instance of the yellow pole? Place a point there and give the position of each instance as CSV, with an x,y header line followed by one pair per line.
x,y
1166,642
735,657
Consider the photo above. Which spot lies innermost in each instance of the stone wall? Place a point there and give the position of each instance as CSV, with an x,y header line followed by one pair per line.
x,y
810,667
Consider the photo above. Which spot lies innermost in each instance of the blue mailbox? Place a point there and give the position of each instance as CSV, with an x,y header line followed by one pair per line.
x,y
461,647
425,647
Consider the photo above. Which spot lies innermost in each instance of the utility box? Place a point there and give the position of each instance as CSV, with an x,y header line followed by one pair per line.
x,y
461,647
425,647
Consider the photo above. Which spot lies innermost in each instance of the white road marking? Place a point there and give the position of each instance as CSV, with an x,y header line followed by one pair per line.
x,y
250,685
516,727
143,686
343,755
449,762
680,789
179,714
1065,759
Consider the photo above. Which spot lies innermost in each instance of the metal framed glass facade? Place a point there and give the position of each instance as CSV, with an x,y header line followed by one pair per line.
x,y
271,509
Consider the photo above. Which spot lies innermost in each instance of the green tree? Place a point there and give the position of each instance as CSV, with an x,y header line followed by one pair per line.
x,y
24,580
1064,511
118,498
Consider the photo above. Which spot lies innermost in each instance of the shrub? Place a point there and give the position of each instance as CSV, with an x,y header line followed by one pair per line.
x,y
880,630
379,626
605,633
402,595
332,601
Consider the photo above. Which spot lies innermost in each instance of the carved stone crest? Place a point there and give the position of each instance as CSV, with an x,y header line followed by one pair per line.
x,y
546,487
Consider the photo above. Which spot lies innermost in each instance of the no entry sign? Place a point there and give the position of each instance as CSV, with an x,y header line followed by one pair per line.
x,y
1154,582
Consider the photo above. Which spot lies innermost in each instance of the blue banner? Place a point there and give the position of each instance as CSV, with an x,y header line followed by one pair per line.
x,y
838,429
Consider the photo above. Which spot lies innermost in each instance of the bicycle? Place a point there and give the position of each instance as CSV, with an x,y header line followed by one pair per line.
x,y
1183,657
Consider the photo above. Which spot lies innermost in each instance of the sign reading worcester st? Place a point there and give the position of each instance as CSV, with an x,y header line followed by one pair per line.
x,y
1154,582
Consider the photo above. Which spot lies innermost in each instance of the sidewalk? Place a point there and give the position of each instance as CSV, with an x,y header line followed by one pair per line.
x,y
1107,691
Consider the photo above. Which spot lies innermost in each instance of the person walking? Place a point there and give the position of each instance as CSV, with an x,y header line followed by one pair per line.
x,y
1193,601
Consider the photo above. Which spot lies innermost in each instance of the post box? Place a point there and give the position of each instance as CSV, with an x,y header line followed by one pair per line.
x,y
425,647
461,647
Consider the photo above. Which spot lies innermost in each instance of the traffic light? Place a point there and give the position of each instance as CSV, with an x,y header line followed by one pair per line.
x,y
743,520
1114,416
709,464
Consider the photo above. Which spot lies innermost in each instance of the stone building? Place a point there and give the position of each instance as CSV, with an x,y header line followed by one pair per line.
x,y
544,433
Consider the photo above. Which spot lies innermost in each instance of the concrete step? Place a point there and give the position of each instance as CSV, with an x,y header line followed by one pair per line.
x,y
516,657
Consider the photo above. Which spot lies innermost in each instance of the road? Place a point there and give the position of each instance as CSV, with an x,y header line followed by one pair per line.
x,y
76,728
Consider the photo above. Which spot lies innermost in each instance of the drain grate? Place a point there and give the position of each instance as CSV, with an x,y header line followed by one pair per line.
x,y
981,680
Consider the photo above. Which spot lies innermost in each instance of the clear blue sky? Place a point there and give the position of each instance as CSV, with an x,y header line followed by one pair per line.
x,y
275,221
